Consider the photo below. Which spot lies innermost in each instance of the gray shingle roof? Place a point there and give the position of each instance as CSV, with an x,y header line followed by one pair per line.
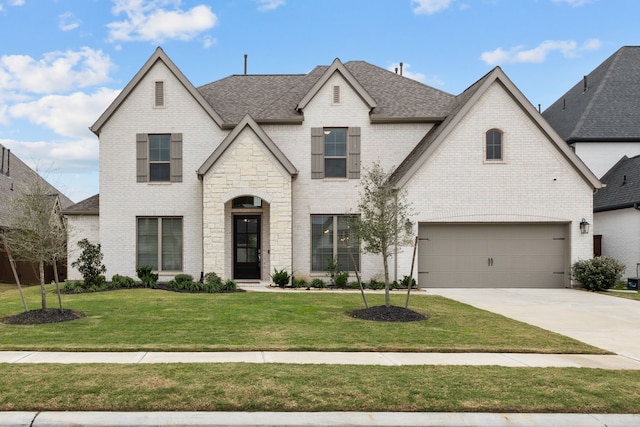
x,y
609,109
275,97
88,206
623,186
15,181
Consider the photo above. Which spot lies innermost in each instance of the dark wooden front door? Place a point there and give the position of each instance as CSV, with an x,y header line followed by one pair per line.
x,y
246,243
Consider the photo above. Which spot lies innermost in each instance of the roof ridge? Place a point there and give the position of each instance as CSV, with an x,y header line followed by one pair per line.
x,y
600,87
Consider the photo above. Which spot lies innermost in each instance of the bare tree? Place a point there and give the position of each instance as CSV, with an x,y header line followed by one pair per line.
x,y
384,220
37,232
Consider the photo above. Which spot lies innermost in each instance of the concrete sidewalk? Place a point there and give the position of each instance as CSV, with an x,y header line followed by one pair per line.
x,y
263,419
336,358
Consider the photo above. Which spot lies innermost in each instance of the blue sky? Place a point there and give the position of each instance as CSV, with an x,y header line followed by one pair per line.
x,y
62,62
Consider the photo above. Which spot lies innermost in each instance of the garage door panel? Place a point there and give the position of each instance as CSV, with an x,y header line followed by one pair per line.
x,y
492,255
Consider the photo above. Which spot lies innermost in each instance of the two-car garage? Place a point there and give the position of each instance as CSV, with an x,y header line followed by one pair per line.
x,y
493,255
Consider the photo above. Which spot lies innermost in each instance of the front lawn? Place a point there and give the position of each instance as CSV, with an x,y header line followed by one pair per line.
x,y
156,320
277,387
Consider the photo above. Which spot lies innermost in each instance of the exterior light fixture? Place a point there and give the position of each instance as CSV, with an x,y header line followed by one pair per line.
x,y
584,226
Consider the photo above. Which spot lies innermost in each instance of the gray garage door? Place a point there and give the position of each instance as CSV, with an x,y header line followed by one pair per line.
x,y
492,255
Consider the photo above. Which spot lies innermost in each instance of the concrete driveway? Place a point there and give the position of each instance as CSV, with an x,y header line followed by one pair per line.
x,y
607,322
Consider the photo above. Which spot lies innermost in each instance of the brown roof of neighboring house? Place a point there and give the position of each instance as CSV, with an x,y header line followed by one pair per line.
x,y
88,206
15,177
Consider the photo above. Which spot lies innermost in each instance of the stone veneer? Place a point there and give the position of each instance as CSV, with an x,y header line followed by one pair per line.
x,y
246,169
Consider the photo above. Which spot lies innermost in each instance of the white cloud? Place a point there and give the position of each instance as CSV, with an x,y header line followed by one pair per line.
x,y
266,5
16,2
517,54
429,7
56,72
68,22
149,20
574,3
68,116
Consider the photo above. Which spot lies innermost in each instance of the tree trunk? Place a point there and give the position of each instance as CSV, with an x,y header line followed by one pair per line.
x,y
55,277
387,298
12,263
43,291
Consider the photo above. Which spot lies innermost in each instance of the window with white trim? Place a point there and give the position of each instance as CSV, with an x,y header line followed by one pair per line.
x,y
160,243
330,241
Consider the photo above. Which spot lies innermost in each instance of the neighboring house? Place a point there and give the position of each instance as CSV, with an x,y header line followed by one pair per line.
x,y
600,116
256,173
15,180
616,215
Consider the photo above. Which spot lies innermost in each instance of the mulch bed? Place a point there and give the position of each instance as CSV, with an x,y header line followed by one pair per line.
x,y
37,317
392,313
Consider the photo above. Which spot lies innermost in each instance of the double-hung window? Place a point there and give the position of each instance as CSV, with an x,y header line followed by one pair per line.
x,y
160,243
335,152
159,157
330,241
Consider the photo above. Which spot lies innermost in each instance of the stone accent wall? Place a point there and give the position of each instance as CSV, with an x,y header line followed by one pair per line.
x,y
247,168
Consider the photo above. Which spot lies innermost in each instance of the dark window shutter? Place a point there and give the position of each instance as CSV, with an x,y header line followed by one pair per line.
x,y
317,153
354,153
176,157
141,157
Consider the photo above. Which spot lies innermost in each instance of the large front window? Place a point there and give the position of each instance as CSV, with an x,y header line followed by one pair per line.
x,y
335,152
330,241
159,158
160,243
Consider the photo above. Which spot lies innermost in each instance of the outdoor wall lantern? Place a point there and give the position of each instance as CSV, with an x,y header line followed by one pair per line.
x,y
584,226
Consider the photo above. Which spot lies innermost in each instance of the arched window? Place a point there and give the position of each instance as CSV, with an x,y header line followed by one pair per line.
x,y
493,148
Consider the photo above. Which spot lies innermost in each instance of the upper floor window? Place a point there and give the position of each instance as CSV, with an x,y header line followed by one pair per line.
x,y
159,157
159,94
493,145
335,152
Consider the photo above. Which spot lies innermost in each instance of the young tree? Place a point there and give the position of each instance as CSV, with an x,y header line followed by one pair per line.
x,y
37,231
384,220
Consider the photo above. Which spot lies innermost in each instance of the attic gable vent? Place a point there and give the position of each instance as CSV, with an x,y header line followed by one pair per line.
x,y
159,94
336,94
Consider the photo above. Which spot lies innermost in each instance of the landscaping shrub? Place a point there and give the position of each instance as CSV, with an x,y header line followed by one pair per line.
x,y
184,282
89,264
375,284
280,277
122,282
318,283
599,273
72,287
406,280
299,283
341,279
147,276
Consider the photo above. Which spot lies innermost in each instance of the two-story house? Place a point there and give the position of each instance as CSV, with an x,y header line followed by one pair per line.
x,y
253,173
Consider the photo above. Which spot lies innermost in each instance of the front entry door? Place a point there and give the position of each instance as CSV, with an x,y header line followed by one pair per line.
x,y
246,243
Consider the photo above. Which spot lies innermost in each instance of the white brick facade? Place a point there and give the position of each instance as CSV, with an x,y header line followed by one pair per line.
x,y
79,227
535,184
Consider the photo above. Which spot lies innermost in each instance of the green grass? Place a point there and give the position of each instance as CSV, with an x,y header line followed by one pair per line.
x,y
154,320
276,387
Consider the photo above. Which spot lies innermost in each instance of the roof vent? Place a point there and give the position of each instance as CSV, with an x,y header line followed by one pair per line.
x,y
245,64
586,86
401,64
624,179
